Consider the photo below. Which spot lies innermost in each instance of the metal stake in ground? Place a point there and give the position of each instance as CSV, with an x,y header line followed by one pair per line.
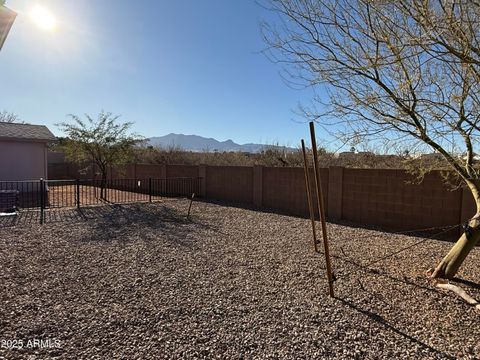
x,y
42,200
309,196
190,206
321,209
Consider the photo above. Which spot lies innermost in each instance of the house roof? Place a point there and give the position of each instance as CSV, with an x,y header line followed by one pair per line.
x,y
16,131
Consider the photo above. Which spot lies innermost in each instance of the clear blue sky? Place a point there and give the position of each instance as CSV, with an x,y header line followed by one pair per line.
x,y
183,66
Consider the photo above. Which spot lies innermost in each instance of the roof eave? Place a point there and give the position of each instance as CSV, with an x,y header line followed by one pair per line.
x,y
7,138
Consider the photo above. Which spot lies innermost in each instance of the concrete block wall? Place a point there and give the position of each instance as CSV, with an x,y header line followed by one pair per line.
x,y
367,196
179,171
145,171
284,189
230,183
468,205
385,198
67,171
335,193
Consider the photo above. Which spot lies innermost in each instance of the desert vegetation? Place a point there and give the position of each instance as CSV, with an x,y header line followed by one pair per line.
x,y
279,158
103,141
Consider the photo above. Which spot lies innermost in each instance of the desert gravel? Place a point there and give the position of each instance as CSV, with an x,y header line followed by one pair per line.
x,y
144,282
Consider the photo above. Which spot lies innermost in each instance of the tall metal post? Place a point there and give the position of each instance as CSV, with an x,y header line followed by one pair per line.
x,y
190,206
309,197
321,209
42,200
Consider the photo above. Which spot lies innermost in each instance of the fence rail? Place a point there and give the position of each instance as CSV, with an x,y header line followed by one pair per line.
x,y
44,194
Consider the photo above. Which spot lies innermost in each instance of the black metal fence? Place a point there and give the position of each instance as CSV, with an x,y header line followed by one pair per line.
x,y
45,194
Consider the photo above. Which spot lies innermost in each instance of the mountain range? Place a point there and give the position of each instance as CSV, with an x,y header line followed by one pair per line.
x,y
199,143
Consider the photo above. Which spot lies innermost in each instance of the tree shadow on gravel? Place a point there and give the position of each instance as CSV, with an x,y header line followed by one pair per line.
x,y
385,324
376,272
448,236
147,222
469,283
447,233
118,221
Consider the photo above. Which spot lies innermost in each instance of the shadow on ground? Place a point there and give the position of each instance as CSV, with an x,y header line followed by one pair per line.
x,y
384,323
445,233
145,221
131,212
449,233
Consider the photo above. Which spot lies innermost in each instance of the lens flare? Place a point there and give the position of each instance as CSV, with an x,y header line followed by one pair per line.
x,y
43,18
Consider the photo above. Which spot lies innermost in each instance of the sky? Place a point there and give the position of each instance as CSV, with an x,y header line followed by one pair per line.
x,y
183,66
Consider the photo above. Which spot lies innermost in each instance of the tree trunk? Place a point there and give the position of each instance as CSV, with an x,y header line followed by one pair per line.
x,y
450,264
103,183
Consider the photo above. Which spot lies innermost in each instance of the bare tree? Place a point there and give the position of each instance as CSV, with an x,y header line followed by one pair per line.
x,y
9,117
403,70
103,141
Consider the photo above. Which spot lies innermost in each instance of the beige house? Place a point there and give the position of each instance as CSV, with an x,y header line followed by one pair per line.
x,y
23,151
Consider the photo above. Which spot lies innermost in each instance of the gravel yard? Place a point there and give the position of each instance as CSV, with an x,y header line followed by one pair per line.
x,y
143,282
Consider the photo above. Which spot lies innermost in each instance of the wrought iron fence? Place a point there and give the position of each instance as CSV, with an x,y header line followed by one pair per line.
x,y
45,194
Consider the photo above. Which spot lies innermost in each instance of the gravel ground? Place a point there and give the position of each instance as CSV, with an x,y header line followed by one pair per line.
x,y
142,282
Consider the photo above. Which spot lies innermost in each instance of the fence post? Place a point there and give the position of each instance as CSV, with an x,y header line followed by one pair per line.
x,y
150,189
77,183
42,200
258,185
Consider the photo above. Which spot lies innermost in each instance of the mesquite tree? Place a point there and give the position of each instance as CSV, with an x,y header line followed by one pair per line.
x,y
104,141
403,70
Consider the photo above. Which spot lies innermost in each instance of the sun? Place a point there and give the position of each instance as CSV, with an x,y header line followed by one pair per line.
x,y
43,18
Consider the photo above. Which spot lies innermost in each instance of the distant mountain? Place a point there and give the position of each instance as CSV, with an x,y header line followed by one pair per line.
x,y
199,143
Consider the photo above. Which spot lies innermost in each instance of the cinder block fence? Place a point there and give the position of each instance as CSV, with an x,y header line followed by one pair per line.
x,y
384,198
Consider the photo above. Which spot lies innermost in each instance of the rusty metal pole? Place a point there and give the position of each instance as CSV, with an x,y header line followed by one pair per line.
x,y
321,209
309,196
190,206
42,201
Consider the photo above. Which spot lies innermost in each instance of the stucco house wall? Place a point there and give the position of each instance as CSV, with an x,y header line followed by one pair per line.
x,y
23,160
23,151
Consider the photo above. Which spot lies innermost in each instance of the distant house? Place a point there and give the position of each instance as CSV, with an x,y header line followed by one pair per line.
x,y
23,151
431,156
345,154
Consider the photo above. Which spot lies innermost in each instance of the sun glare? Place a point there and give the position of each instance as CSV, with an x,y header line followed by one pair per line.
x,y
43,18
